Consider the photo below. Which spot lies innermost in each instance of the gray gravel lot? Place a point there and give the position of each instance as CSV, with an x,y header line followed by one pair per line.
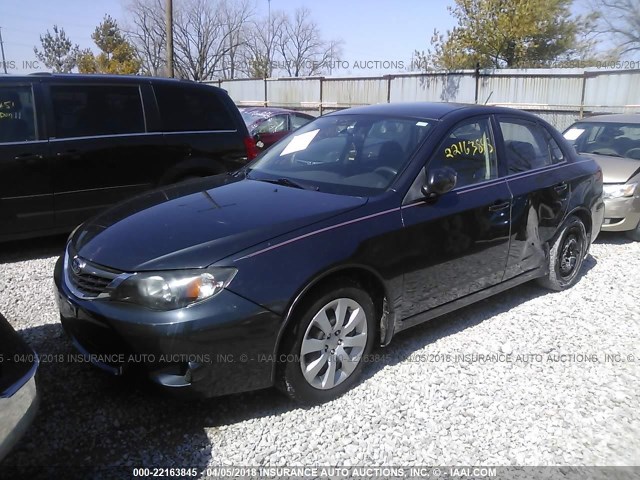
x,y
547,396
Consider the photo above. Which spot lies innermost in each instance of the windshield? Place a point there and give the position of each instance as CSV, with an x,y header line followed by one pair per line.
x,y
359,155
615,139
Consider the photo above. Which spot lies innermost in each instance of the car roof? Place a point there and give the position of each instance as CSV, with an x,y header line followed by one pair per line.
x,y
430,110
100,77
614,118
267,110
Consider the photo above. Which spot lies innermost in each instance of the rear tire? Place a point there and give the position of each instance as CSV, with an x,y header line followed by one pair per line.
x,y
566,256
323,354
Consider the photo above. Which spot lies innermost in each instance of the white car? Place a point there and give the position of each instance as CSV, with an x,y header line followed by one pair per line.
x,y
614,142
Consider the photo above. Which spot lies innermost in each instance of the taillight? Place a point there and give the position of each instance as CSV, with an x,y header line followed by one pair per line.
x,y
250,145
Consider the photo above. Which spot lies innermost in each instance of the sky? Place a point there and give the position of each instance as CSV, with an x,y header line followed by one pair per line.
x,y
372,30
381,31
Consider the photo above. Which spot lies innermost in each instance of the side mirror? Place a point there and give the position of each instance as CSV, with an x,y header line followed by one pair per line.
x,y
439,182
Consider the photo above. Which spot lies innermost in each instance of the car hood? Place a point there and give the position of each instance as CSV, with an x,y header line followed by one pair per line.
x,y
195,224
616,169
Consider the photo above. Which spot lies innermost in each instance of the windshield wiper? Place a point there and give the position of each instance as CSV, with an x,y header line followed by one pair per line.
x,y
288,183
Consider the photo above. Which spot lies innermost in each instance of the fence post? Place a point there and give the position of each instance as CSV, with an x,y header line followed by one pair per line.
x,y
477,75
266,95
389,78
320,107
584,88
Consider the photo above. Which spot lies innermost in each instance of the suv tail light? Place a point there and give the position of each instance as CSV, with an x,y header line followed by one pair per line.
x,y
252,150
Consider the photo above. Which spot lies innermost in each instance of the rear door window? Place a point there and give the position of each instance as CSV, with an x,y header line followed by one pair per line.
x,y
192,109
17,114
96,110
527,145
557,155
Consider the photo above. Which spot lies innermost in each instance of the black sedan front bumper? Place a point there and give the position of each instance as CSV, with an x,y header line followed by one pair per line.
x,y
221,346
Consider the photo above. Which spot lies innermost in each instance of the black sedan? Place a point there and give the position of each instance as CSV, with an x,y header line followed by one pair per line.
x,y
359,225
18,392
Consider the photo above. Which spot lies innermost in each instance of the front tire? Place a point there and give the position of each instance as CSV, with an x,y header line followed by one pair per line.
x,y
323,355
566,256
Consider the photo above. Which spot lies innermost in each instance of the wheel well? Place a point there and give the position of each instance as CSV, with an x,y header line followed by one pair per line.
x,y
584,216
364,278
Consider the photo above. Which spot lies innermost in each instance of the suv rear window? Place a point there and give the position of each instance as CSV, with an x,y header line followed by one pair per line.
x,y
92,110
190,109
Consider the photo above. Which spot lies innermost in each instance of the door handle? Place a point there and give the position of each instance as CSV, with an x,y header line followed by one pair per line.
x,y
561,187
73,154
28,157
499,206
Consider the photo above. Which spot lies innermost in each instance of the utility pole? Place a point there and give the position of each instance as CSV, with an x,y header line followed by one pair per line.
x,y
4,62
169,16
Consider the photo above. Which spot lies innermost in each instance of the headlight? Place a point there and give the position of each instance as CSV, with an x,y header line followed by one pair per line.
x,y
173,289
619,190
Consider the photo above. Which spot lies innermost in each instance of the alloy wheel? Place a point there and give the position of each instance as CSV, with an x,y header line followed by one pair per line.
x,y
333,343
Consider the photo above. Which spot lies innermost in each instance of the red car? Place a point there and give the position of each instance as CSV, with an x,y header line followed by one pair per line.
x,y
268,125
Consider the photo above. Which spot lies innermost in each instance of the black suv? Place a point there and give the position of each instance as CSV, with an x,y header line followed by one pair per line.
x,y
71,145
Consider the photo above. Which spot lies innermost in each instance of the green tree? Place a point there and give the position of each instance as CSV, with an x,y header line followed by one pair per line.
x,y
58,53
506,33
117,55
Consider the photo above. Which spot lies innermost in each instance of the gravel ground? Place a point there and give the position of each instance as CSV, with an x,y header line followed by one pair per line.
x,y
548,396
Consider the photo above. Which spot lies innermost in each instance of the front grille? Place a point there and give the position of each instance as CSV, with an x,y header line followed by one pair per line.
x,y
90,285
87,279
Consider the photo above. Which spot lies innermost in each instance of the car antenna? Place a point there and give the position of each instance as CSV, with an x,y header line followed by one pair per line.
x,y
487,100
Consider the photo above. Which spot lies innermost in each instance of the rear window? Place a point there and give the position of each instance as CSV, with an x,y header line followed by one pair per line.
x,y
94,110
192,110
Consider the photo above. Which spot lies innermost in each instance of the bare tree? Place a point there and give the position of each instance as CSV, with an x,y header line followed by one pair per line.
x,y
620,21
206,33
145,29
301,47
208,36
235,17
259,51
221,39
